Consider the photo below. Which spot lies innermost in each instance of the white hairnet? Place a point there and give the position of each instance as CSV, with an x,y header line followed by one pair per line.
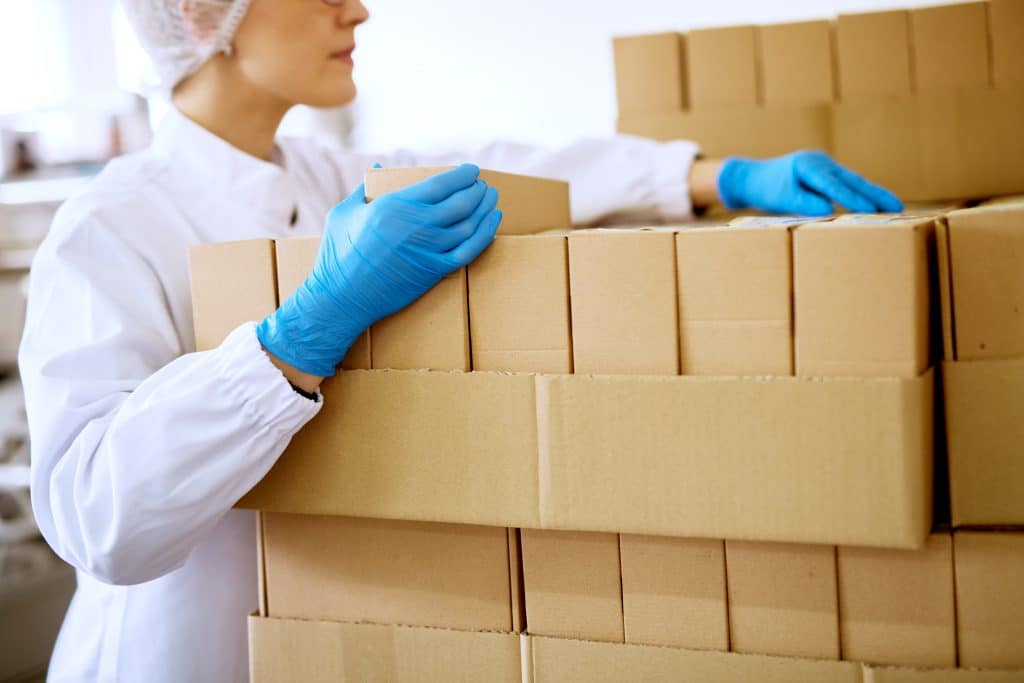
x,y
181,35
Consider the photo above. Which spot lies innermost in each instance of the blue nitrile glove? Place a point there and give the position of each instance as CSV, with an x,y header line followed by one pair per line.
x,y
378,258
807,183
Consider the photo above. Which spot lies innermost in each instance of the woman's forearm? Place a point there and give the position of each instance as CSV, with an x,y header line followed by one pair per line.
x,y
703,182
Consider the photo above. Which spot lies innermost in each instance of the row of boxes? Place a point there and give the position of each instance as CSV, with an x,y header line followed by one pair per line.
x,y
925,50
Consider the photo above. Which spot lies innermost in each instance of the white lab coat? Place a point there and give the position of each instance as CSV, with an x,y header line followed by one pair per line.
x,y
140,445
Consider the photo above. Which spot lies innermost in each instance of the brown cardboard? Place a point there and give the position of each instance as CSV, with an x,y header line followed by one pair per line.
x,y
950,46
782,599
873,54
572,584
387,572
650,73
862,297
432,333
874,674
232,283
515,572
557,660
1006,31
673,592
735,300
623,301
796,63
529,204
295,259
984,433
896,606
519,305
329,652
990,599
722,68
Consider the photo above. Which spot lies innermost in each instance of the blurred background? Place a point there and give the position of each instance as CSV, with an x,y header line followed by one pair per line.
x,y
74,88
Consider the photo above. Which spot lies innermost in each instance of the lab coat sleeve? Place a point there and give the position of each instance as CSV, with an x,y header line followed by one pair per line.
x,y
615,178
137,450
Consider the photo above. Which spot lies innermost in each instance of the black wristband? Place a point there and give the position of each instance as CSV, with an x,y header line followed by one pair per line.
x,y
306,394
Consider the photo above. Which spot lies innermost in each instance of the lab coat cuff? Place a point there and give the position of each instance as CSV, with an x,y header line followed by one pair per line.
x,y
670,179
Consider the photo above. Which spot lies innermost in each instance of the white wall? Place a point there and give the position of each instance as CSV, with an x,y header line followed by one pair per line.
x,y
456,72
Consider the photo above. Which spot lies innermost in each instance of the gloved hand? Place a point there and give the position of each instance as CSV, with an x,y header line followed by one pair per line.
x,y
805,183
378,258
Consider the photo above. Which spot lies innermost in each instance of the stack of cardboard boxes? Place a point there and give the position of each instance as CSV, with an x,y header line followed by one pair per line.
x,y
926,101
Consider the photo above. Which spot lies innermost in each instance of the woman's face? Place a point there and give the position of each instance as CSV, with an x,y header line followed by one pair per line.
x,y
300,50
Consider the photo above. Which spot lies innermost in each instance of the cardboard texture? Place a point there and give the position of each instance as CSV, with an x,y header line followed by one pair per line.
x,y
990,599
796,63
950,46
782,599
673,592
896,606
572,584
984,433
735,300
873,54
432,333
387,572
1006,31
519,305
623,301
722,68
555,660
862,297
650,73
874,674
529,204
328,652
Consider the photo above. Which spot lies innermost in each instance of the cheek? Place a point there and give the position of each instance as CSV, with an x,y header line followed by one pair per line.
x,y
299,73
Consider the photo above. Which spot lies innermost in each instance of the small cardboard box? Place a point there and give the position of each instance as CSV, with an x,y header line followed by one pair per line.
x,y
873,54
650,73
990,599
896,606
796,63
951,46
1006,31
782,599
722,67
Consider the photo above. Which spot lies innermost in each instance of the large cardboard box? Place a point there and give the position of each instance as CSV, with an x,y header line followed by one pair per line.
x,y
951,46
782,599
528,204
796,63
735,300
519,305
572,584
1006,31
862,297
881,674
650,73
722,67
282,650
896,606
623,300
873,54
673,591
990,599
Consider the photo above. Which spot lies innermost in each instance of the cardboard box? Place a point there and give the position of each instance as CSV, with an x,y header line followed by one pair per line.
x,y
862,297
873,54
432,333
796,63
1006,31
879,674
673,592
295,260
519,305
950,46
329,652
650,73
529,204
722,68
572,584
990,599
387,572
896,606
735,300
782,599
623,300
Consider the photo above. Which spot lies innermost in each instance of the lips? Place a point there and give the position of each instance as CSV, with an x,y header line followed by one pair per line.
x,y
344,55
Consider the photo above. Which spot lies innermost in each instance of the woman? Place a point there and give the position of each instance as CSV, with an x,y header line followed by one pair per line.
x,y
141,445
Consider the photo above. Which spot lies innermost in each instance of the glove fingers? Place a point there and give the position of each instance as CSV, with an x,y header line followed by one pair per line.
x,y
829,186
466,253
441,186
808,203
878,195
447,238
456,208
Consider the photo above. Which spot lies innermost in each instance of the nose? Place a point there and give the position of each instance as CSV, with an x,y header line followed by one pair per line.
x,y
352,13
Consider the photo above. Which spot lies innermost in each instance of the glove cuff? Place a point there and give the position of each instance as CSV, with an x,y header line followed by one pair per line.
x,y
731,181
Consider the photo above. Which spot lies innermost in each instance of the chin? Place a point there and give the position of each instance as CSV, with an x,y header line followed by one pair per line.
x,y
331,96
